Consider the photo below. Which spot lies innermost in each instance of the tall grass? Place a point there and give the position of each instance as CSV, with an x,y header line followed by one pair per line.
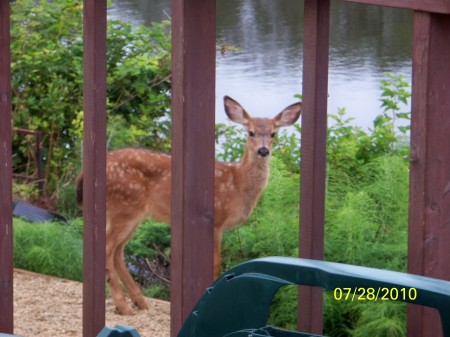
x,y
49,248
367,226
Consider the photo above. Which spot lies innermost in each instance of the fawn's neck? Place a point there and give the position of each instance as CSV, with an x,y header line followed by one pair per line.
x,y
254,173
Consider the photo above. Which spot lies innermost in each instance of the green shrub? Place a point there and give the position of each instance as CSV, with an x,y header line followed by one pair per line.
x,y
150,239
230,140
47,75
287,148
66,200
148,255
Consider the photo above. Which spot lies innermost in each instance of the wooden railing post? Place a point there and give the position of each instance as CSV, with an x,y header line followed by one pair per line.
x,y
429,213
313,160
94,177
193,107
6,229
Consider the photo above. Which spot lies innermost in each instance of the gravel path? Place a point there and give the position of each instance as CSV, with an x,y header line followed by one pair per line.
x,y
52,307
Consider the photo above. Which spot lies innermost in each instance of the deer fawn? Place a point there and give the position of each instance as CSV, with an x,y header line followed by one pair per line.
x,y
139,187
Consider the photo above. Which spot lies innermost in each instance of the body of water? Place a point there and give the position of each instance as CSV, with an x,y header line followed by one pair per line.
x,y
366,42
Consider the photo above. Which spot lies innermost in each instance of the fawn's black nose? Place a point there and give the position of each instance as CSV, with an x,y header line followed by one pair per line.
x,y
263,151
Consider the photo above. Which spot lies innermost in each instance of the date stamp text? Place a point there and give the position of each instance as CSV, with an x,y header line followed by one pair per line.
x,y
374,294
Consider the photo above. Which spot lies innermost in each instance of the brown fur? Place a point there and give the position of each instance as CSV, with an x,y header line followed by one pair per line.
x,y
139,187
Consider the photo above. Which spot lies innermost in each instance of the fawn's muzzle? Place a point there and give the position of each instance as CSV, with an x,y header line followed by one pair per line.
x,y
263,151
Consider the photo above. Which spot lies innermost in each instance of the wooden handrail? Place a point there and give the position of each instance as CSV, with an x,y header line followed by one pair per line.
x,y
431,6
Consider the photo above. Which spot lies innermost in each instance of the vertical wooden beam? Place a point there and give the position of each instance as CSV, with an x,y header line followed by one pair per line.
x,y
94,180
429,213
6,233
313,160
193,106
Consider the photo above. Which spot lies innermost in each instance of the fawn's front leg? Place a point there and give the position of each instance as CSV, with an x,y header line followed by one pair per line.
x,y
217,252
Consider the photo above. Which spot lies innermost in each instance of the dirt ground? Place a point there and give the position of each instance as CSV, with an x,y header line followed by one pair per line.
x,y
51,307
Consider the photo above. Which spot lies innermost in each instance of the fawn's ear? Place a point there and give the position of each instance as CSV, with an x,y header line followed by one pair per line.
x,y
289,115
235,111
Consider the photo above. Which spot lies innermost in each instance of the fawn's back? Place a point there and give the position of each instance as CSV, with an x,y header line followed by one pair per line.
x,y
139,184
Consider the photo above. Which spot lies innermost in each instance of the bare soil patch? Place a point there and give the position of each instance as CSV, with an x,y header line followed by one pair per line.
x,y
50,306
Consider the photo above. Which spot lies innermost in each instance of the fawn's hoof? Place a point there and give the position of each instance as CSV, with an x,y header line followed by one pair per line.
x,y
124,311
141,303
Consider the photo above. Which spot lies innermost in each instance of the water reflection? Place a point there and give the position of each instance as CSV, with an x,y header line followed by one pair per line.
x,y
365,43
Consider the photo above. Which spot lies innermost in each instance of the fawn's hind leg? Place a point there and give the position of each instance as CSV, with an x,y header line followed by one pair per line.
x,y
133,290
112,278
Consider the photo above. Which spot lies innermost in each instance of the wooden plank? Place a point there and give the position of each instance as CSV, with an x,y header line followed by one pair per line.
x,y
313,160
431,6
6,234
429,213
193,106
94,181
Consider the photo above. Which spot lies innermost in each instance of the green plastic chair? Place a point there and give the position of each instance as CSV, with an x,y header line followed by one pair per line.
x,y
118,331
238,303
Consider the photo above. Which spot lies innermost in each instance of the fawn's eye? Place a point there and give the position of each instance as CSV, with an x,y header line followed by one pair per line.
x,y
272,135
251,134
